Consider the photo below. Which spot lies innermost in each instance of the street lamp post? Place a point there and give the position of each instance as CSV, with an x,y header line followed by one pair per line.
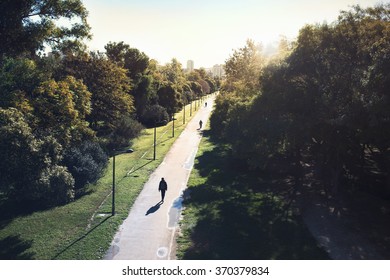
x,y
154,144
113,185
173,124
184,113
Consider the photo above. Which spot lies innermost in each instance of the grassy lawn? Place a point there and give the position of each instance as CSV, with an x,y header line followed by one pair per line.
x,y
231,213
84,229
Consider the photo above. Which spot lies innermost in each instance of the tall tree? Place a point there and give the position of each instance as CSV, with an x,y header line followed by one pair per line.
x,y
137,65
135,61
110,88
18,79
62,108
326,104
173,73
169,98
243,69
27,25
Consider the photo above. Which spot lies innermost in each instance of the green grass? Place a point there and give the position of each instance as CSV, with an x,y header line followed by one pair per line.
x,y
232,213
84,229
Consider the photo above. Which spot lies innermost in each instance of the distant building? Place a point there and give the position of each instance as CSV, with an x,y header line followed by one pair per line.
x,y
190,65
217,70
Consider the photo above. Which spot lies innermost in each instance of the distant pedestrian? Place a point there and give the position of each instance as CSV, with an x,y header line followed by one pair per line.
x,y
200,124
205,104
162,187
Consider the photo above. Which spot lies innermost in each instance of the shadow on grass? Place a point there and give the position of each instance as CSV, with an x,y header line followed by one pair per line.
x,y
14,248
138,168
80,238
10,209
238,217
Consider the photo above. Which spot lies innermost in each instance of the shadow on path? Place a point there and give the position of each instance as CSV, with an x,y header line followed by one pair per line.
x,y
154,208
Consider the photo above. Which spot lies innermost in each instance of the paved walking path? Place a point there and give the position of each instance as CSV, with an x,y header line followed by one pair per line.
x,y
148,232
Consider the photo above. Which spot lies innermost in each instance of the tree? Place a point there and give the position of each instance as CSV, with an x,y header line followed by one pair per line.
x,y
173,73
205,87
169,98
39,176
26,26
62,107
135,61
18,79
110,88
243,69
212,84
324,106
145,94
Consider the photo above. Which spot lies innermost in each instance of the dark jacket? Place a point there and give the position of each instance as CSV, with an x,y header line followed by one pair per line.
x,y
163,185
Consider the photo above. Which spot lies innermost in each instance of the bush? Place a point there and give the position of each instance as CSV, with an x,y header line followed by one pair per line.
x,y
86,163
155,115
126,129
58,185
30,168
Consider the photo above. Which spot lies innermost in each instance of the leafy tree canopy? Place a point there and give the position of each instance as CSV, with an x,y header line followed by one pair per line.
x,y
27,25
135,61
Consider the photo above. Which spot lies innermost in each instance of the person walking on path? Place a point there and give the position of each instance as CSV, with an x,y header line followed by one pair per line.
x,y
149,231
162,187
200,124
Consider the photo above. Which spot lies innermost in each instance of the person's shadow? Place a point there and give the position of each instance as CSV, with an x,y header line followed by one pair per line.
x,y
154,208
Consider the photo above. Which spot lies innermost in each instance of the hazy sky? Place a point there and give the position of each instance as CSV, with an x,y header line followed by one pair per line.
x,y
205,31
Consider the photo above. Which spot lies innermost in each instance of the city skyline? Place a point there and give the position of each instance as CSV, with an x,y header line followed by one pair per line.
x,y
206,32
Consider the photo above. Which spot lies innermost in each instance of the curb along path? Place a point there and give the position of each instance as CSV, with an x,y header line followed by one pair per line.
x,y
148,231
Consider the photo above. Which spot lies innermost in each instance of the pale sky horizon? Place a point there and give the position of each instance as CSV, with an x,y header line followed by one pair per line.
x,y
205,31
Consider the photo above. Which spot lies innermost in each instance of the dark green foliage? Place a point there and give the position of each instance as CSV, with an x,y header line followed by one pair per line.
x,y
155,115
110,88
196,88
86,163
325,106
126,129
18,79
135,61
26,25
30,166
212,84
235,214
145,94
169,98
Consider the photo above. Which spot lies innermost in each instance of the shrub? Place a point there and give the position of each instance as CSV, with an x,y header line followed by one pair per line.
x,y
126,129
155,115
86,163
30,169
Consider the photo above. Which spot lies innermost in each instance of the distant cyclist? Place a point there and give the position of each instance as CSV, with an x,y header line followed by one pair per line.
x,y
200,124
